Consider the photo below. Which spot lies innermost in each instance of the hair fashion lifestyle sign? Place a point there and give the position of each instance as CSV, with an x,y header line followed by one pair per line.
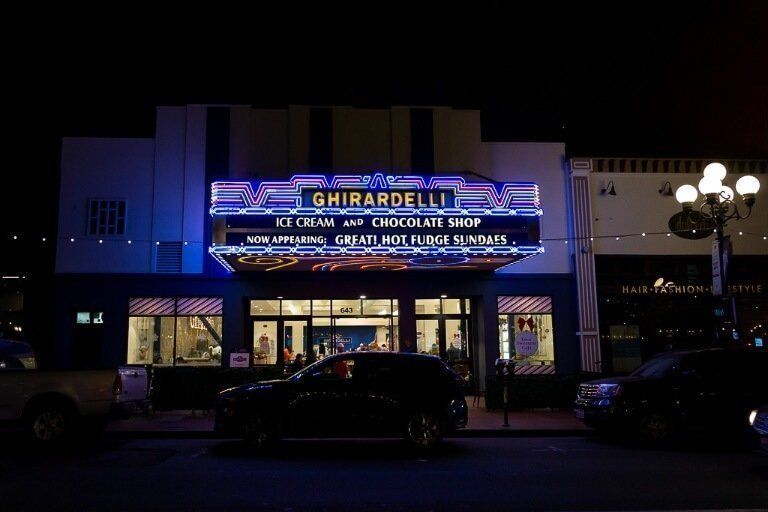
x,y
373,222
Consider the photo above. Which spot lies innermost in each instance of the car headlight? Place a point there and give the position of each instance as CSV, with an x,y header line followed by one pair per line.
x,y
752,416
609,389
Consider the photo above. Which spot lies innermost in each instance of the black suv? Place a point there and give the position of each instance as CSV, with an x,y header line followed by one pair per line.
x,y
373,393
711,389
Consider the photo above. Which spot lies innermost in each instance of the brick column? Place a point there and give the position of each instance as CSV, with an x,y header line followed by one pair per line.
x,y
584,260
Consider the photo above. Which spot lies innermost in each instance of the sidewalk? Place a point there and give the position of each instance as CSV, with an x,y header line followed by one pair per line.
x,y
199,424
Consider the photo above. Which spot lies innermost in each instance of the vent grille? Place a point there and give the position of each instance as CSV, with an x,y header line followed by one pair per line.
x,y
168,257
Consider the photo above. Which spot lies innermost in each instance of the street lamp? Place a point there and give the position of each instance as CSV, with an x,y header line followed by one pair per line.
x,y
718,207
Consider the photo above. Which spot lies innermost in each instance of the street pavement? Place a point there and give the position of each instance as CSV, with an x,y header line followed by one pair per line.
x,y
542,473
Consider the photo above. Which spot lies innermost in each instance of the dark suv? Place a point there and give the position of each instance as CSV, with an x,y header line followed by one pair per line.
x,y
711,389
373,393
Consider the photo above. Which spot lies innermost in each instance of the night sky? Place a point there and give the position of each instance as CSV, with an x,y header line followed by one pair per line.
x,y
657,79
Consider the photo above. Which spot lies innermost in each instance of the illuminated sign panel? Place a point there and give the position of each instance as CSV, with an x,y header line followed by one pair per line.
x,y
373,222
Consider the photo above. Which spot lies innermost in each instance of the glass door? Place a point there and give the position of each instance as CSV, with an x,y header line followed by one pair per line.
x,y
428,336
295,341
357,334
265,341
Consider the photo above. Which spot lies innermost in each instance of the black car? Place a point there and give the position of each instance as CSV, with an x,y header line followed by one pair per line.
x,y
759,421
713,389
415,396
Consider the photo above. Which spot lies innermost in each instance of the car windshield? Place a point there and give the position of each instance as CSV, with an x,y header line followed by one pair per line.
x,y
657,367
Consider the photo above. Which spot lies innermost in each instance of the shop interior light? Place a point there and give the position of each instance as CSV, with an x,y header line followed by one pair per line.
x,y
716,170
362,296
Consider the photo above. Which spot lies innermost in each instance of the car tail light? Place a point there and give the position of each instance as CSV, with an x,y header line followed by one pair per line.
x,y
117,385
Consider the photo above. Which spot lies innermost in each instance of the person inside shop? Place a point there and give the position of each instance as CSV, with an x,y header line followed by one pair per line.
x,y
384,347
453,352
214,351
362,348
434,349
341,369
373,346
298,362
288,353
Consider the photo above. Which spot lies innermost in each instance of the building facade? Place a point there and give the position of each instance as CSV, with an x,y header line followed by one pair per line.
x,y
652,276
240,236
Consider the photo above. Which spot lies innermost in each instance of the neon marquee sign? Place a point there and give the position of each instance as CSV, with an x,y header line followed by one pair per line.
x,y
373,222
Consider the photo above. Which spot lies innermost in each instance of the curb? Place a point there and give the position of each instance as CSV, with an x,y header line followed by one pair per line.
x,y
461,434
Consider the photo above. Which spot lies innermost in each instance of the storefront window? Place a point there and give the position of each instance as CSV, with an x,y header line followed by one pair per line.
x,y
321,308
150,340
346,307
330,326
526,333
454,306
296,307
427,306
198,340
180,331
377,307
626,351
265,307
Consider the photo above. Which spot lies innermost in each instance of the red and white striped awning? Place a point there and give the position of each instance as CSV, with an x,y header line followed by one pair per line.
x,y
199,306
151,306
524,304
535,369
163,306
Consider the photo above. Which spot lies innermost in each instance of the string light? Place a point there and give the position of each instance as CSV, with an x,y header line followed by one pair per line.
x,y
541,240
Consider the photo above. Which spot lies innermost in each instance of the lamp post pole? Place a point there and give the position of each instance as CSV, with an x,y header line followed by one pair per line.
x,y
717,208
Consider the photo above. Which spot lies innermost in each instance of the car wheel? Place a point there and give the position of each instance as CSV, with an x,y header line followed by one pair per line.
x,y
655,427
424,430
260,431
50,424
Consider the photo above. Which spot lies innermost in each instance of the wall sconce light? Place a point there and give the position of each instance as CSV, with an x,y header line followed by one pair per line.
x,y
609,189
666,189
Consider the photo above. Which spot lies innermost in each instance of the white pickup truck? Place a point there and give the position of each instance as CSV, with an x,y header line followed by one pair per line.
x,y
53,405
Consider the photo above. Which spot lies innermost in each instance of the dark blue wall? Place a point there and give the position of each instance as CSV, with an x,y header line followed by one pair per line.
x,y
110,294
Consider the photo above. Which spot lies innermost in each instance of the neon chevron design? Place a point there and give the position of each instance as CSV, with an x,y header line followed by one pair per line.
x,y
284,197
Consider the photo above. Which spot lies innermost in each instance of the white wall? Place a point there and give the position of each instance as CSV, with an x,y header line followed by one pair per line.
x,y
105,168
162,181
542,163
638,207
